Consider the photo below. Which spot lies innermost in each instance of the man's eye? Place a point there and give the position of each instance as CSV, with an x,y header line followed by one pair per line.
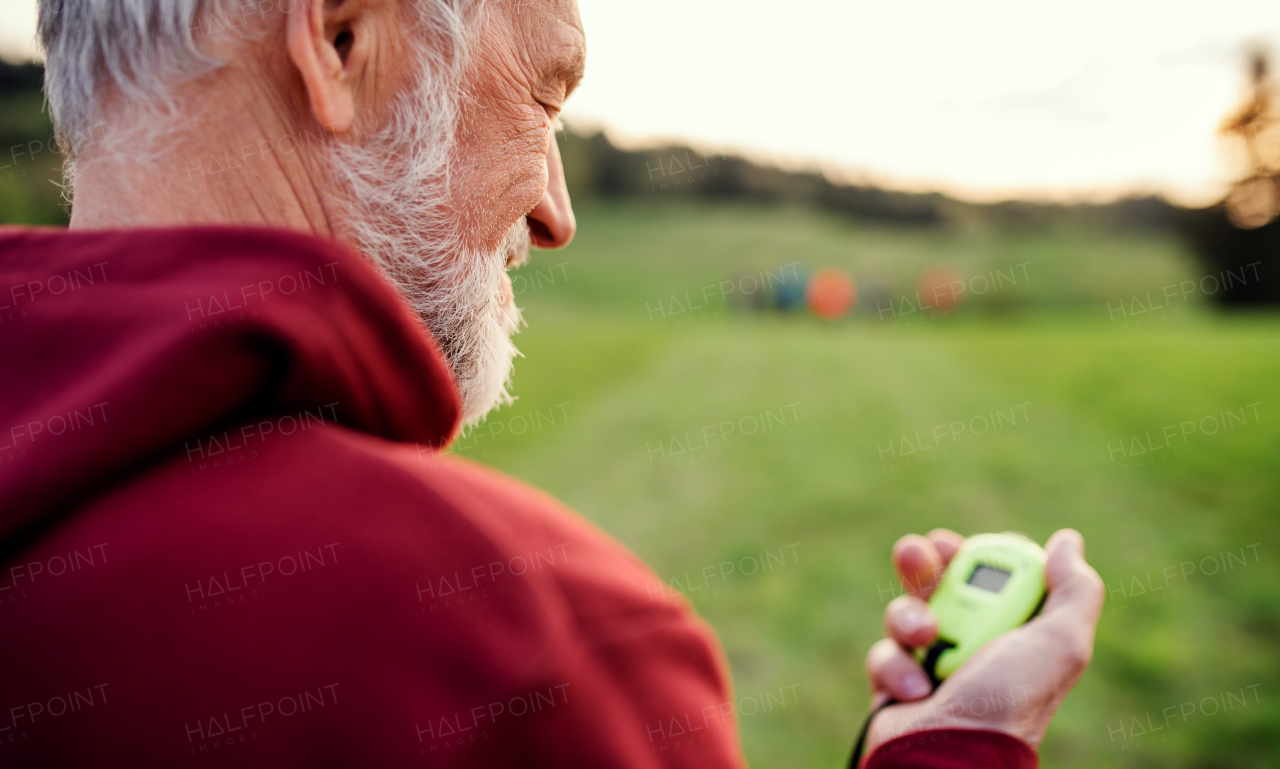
x,y
553,116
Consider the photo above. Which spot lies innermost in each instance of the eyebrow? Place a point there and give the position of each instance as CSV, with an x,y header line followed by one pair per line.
x,y
570,69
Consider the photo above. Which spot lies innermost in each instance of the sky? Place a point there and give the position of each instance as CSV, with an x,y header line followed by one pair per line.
x,y
985,99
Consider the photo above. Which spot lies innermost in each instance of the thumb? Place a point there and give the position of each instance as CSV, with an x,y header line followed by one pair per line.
x,y
1075,589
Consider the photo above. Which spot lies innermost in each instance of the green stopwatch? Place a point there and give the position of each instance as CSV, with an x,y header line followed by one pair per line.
x,y
994,583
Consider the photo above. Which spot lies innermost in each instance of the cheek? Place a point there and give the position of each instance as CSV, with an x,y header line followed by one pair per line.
x,y
505,177
526,181
529,157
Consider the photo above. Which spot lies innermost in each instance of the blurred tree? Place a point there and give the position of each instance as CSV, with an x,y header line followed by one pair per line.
x,y
1255,128
1238,239
596,168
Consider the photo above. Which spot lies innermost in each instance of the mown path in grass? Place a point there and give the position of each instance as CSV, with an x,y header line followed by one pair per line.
x,y
723,441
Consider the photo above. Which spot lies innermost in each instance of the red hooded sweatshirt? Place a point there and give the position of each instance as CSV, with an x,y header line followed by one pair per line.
x,y
228,539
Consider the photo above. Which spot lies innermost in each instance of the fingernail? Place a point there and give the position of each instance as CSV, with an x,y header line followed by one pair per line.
x,y
1077,544
915,686
1073,540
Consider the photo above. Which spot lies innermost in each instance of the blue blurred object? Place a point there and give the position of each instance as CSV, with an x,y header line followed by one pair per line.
x,y
788,296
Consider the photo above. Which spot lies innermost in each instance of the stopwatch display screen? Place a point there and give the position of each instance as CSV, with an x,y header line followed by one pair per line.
x,y
989,577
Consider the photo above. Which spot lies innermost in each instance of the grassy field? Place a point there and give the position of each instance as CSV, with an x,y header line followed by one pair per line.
x,y
1073,413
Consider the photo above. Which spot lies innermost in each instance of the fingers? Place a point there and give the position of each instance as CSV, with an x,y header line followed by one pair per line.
x,y
908,621
919,564
892,670
947,543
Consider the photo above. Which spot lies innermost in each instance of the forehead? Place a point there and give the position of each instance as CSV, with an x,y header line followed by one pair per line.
x,y
541,14
549,32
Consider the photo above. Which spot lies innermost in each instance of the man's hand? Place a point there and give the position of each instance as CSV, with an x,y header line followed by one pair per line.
x,y
1014,683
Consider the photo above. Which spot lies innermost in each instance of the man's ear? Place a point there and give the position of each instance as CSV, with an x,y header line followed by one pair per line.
x,y
320,35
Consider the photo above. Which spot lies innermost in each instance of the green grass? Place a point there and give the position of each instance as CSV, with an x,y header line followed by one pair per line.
x,y
620,383
30,163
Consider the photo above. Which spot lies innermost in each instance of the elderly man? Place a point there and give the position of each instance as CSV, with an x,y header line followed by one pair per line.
x,y
229,537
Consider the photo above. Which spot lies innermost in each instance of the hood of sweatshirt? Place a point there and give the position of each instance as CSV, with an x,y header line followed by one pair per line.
x,y
120,348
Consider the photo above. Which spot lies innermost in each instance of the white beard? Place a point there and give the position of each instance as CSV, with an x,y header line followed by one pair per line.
x,y
395,208
473,315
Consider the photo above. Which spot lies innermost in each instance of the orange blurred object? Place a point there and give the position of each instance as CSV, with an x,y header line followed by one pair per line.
x,y
940,288
831,293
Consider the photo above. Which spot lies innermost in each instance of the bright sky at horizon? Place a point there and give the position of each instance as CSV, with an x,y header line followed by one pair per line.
x,y
985,99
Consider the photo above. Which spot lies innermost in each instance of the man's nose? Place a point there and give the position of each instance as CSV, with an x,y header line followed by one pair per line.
x,y
551,223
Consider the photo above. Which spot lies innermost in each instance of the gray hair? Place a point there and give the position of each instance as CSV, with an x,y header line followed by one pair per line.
x,y
142,47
